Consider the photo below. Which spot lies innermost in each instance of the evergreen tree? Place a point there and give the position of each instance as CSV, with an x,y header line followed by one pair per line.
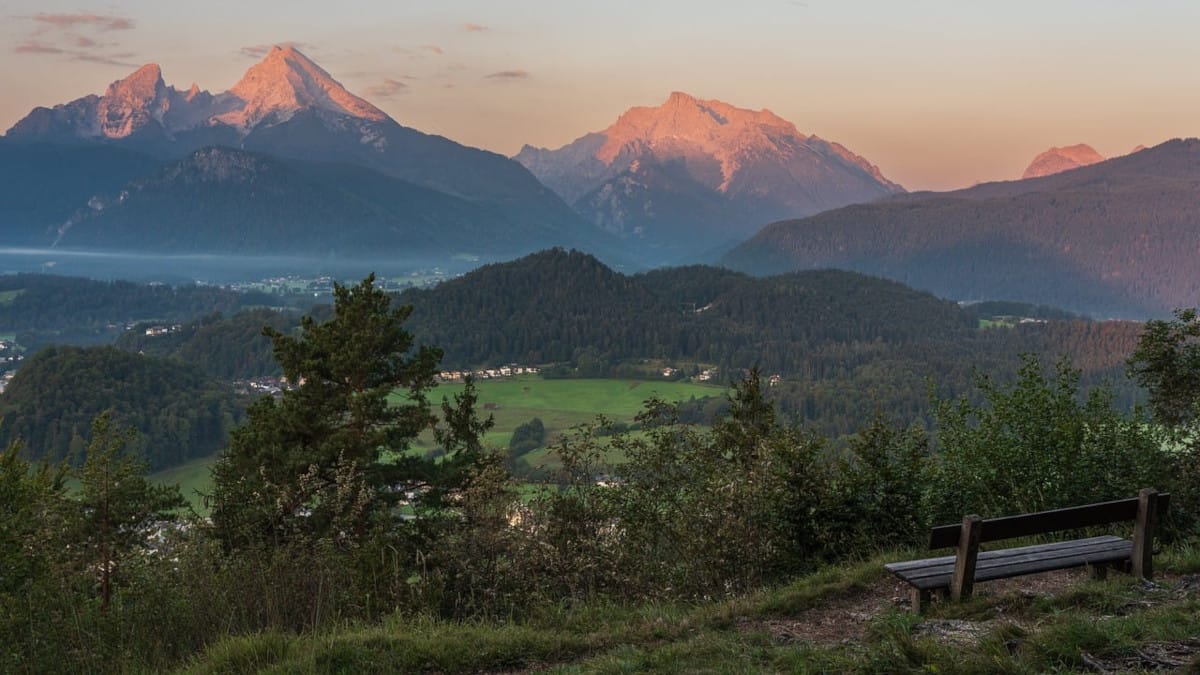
x,y
328,458
116,503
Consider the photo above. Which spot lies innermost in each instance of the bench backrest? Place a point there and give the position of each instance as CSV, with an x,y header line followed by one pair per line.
x,y
1008,527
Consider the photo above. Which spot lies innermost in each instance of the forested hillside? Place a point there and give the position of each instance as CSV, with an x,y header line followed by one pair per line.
x,y
179,412
545,307
44,309
230,348
844,344
1115,238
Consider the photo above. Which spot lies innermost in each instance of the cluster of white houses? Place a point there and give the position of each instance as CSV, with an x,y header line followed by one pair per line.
x,y
486,373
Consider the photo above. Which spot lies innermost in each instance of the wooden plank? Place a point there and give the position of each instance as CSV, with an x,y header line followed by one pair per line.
x,y
919,598
1143,534
1050,564
938,572
1025,555
964,560
917,564
1008,527
1034,567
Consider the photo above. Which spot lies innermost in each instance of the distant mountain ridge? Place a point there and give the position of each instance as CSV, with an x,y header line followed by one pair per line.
x,y
260,204
695,173
1117,238
288,108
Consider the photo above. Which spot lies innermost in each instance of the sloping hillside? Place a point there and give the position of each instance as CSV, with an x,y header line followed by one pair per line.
x,y
1115,238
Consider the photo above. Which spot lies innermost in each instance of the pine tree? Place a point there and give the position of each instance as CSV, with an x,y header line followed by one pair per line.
x,y
328,459
117,505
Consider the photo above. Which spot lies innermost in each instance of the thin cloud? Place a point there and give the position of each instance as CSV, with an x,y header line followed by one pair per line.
x,y
386,89
109,60
259,51
63,34
432,49
508,75
83,19
33,47
474,27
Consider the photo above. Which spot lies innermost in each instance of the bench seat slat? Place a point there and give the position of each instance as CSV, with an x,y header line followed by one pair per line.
x,y
949,559
933,573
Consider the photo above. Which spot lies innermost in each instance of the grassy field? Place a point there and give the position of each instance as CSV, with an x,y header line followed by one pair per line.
x,y
561,405
192,478
6,297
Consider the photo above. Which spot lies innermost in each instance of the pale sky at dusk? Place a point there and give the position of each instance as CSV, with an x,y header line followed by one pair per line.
x,y
940,94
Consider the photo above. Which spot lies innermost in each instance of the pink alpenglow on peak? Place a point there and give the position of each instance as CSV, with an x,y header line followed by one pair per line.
x,y
1057,160
285,82
141,106
702,171
129,104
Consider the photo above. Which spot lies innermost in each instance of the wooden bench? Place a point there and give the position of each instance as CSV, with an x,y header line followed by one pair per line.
x,y
957,574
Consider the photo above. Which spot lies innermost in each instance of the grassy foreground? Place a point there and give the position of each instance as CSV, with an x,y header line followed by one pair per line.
x,y
848,618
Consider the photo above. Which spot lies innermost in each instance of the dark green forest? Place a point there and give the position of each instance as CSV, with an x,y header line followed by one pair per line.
x,y
179,412
845,344
230,348
44,309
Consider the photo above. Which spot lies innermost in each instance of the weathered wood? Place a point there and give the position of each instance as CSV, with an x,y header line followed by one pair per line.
x,y
957,574
964,561
1007,563
1143,534
1027,525
920,598
1031,550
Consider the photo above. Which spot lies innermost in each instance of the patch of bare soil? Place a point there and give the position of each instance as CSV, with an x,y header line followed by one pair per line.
x,y
843,619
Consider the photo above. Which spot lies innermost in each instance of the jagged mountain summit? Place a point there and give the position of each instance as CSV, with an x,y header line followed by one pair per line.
x,y
287,82
142,105
700,172
288,107
1057,160
140,110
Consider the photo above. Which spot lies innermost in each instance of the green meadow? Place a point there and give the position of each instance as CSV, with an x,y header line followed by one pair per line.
x,y
563,404
560,404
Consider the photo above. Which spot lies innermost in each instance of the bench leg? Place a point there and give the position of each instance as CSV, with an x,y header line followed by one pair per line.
x,y
1100,571
920,598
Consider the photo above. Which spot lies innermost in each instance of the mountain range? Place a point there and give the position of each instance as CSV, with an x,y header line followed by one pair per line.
x,y
295,152
693,174
1116,238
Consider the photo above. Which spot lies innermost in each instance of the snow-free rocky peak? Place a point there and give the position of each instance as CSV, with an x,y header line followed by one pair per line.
x,y
693,174
1057,160
286,82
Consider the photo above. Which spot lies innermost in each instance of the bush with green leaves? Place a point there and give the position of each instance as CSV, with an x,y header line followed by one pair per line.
x,y
1038,444
689,512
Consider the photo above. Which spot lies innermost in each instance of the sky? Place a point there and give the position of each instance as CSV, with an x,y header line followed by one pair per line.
x,y
938,93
